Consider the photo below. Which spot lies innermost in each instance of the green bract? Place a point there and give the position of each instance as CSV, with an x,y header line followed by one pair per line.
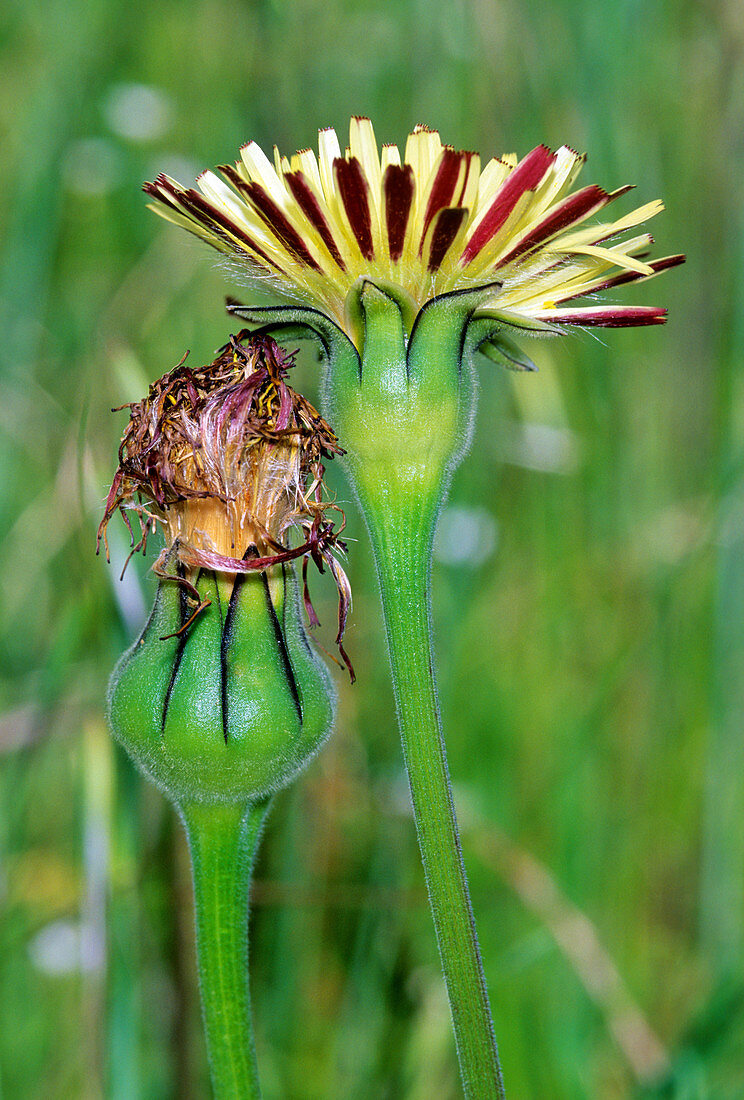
x,y
403,404
232,708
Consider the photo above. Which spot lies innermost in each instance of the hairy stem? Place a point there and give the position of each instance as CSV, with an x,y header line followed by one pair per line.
x,y
223,838
402,546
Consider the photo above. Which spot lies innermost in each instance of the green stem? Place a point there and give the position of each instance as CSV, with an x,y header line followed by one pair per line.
x,y
402,545
223,838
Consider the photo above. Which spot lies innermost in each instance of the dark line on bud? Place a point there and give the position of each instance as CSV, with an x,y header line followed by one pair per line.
x,y
219,600
282,647
182,639
227,636
155,608
223,678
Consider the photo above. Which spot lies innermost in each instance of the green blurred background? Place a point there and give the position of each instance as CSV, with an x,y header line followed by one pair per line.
x,y
589,583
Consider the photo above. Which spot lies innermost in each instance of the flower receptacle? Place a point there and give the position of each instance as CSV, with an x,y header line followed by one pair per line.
x,y
406,419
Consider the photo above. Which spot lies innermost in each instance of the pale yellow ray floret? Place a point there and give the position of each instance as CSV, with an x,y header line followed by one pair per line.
x,y
432,223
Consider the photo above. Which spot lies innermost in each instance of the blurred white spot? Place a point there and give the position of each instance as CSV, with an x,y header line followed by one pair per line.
x,y
138,112
541,447
465,536
393,795
19,727
673,533
65,947
178,168
91,167
731,522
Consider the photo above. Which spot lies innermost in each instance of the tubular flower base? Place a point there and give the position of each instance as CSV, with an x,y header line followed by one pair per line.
x,y
428,225
401,270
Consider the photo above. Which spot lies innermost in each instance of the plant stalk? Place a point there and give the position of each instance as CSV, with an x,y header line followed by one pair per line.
x,y
223,838
402,546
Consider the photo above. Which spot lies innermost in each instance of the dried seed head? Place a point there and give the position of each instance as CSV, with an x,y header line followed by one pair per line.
x,y
228,459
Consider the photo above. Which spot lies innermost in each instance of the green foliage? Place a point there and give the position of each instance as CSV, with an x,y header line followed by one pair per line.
x,y
589,585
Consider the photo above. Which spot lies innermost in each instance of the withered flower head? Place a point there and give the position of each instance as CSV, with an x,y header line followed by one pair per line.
x,y
228,460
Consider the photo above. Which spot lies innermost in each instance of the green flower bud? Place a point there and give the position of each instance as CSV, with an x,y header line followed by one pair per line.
x,y
231,708
222,698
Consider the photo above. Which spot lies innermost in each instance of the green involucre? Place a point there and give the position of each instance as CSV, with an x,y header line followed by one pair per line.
x,y
232,709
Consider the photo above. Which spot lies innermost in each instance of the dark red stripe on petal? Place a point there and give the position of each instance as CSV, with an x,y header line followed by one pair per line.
x,y
306,200
280,226
442,188
574,209
443,233
354,193
156,190
246,189
172,195
630,276
233,176
625,317
525,177
398,188
621,191
202,211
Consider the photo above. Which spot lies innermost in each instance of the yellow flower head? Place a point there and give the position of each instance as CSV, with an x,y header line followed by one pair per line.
x,y
431,223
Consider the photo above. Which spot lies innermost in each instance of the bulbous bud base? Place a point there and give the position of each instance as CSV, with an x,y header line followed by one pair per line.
x,y
234,706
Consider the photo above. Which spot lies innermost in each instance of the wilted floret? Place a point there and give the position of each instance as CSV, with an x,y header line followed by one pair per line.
x,y
229,460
